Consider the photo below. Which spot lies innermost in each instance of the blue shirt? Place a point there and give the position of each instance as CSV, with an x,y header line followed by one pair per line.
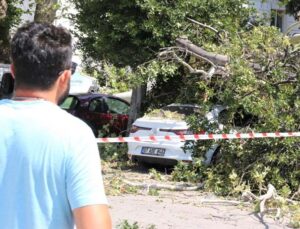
x,y
49,165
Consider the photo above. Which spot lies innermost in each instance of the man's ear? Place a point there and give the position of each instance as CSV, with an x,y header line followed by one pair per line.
x,y
65,77
12,70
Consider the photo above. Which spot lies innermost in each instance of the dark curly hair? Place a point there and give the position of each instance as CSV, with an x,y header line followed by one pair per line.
x,y
39,53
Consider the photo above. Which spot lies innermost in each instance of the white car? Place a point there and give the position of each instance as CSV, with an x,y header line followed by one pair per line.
x,y
160,124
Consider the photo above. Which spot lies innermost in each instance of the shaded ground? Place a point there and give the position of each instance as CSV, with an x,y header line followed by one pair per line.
x,y
173,209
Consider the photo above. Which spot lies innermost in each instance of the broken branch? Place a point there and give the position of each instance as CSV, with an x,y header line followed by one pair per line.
x,y
270,193
216,59
227,202
203,25
189,67
178,187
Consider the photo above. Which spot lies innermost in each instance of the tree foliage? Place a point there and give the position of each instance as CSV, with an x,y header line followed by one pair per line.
x,y
131,32
10,16
11,19
293,7
262,94
259,84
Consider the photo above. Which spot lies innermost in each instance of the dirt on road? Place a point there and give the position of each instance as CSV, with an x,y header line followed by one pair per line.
x,y
175,209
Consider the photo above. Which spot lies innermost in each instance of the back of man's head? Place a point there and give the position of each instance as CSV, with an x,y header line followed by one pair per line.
x,y
40,52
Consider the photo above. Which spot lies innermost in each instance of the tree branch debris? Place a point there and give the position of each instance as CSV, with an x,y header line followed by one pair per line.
x,y
178,187
203,25
216,59
263,199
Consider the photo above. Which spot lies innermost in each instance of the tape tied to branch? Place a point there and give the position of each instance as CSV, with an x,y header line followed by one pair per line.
x,y
197,137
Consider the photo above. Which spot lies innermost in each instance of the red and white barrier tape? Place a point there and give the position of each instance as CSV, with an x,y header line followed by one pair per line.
x,y
196,137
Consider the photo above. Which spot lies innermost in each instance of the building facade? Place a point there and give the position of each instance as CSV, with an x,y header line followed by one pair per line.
x,y
271,10
275,15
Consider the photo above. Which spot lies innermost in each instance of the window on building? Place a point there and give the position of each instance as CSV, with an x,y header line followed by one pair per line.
x,y
277,19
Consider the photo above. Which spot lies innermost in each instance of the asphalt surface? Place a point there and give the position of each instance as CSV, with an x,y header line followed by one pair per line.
x,y
184,210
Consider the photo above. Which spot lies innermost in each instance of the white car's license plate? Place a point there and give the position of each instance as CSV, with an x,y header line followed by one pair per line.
x,y
153,151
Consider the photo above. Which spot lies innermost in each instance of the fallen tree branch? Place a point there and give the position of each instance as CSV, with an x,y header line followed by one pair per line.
x,y
249,196
178,187
203,25
295,194
197,56
288,81
218,33
226,202
170,53
216,59
166,52
189,67
271,193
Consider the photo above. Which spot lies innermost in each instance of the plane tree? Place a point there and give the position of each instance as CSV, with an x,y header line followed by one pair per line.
x,y
131,32
10,16
45,10
208,54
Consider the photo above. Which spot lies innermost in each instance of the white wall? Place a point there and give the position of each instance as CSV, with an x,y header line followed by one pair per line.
x,y
262,7
62,14
62,20
268,5
289,20
30,6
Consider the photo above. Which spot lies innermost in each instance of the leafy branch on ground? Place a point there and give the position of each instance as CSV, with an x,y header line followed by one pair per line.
x,y
127,225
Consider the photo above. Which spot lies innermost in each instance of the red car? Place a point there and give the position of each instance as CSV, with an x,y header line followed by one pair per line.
x,y
105,114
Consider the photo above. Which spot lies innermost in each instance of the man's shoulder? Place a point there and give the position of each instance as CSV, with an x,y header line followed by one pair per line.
x,y
44,114
68,120
63,125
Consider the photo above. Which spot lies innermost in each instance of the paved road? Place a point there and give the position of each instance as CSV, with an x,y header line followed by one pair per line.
x,y
179,210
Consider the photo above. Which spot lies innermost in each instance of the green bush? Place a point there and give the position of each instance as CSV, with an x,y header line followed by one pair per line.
x,y
189,172
113,152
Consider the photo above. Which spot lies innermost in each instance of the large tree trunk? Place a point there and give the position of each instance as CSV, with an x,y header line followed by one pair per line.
x,y
3,8
45,11
138,95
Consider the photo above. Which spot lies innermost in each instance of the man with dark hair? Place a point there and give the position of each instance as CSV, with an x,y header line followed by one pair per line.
x,y
50,174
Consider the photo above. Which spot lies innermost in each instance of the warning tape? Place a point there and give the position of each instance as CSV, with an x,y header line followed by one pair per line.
x,y
196,137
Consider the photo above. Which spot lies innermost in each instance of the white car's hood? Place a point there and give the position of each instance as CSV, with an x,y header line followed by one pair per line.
x,y
160,123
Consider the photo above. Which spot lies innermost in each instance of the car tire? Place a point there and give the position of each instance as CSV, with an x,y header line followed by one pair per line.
x,y
216,156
